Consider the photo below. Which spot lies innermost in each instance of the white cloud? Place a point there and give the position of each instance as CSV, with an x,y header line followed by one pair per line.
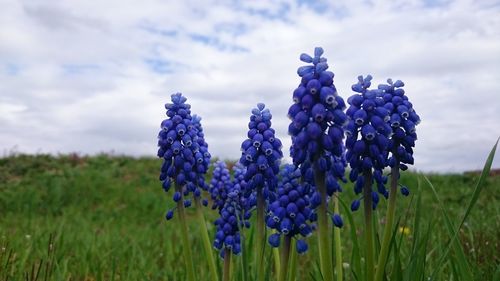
x,y
92,77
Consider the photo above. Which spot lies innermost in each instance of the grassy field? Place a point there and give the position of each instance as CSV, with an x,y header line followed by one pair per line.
x,y
102,218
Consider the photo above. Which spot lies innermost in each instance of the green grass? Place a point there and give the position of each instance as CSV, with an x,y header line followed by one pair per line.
x,y
106,216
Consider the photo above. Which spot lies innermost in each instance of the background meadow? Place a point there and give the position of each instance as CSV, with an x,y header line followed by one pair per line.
x,y
105,215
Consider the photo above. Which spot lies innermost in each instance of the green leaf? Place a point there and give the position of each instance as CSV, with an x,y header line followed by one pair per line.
x,y
397,271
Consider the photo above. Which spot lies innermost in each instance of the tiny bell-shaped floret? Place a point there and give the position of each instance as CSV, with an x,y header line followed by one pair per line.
x,y
405,191
170,214
301,246
355,205
274,240
337,220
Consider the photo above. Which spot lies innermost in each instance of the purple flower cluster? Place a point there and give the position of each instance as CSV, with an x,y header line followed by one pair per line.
x,y
290,213
220,185
202,156
179,145
317,114
261,153
234,209
403,120
381,133
368,133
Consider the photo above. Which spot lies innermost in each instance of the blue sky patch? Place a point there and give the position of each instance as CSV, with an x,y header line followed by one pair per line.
x,y
216,43
75,69
159,65
151,28
11,69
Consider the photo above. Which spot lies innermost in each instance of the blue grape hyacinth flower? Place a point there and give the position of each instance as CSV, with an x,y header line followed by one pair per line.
x,y
261,153
367,143
202,156
220,184
317,131
178,142
403,121
317,119
239,172
233,217
317,114
240,183
290,213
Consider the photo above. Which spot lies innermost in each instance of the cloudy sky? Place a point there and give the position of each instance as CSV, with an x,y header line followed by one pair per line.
x,y
93,76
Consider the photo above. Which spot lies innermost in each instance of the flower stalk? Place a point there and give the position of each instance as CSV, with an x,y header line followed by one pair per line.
x,y
292,271
285,256
261,236
337,241
206,240
227,265
368,208
323,227
276,257
391,210
188,257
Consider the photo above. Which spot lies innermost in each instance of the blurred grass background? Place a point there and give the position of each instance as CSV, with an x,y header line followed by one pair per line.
x,y
105,215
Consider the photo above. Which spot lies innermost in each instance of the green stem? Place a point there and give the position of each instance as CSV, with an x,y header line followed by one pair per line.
x,y
188,257
243,260
323,227
391,209
226,276
338,242
285,255
292,271
261,236
367,195
206,240
276,255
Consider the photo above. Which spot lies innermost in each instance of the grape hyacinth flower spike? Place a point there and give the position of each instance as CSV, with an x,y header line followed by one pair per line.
x,y
403,120
367,151
202,157
367,141
261,155
233,216
220,184
178,145
317,119
232,219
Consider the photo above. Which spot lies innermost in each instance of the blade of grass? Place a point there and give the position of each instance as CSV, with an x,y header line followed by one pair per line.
x,y
268,267
452,243
397,271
